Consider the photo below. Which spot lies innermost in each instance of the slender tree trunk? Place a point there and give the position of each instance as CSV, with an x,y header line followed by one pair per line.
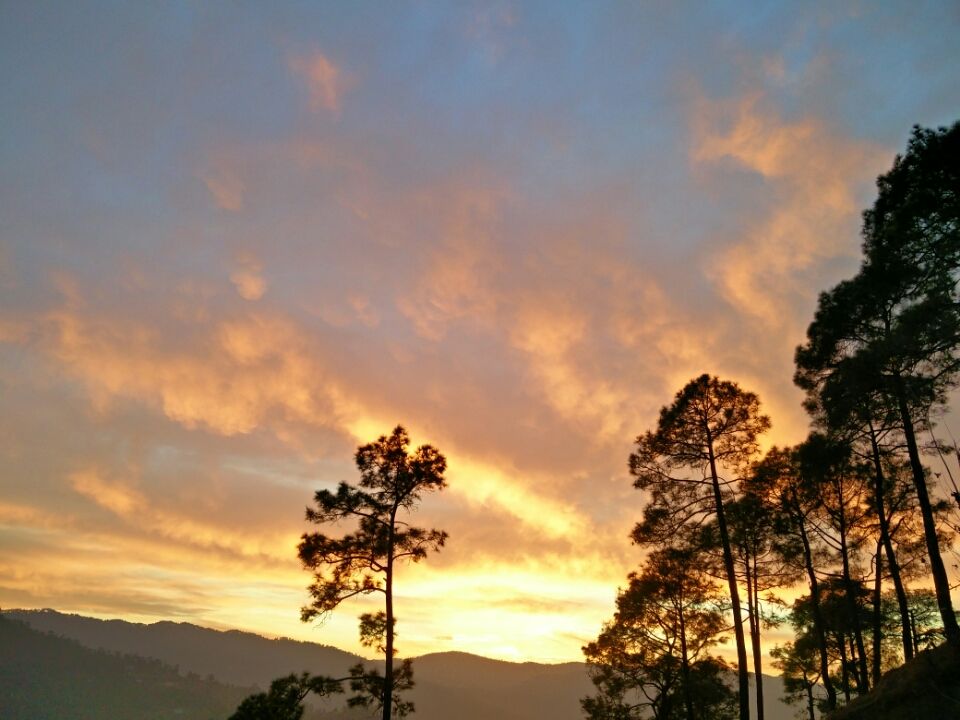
x,y
685,666
844,666
809,687
855,666
753,611
388,664
877,614
863,683
666,708
742,677
884,523
818,625
940,582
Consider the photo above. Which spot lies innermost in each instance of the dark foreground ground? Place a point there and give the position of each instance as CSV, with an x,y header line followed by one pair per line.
x,y
926,687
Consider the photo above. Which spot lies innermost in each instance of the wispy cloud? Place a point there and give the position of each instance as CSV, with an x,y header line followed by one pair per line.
x,y
324,80
815,177
247,277
226,188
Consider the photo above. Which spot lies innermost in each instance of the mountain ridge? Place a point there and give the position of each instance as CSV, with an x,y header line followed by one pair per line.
x,y
44,676
448,684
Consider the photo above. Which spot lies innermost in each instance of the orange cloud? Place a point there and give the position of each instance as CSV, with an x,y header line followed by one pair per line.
x,y
458,281
161,524
227,188
248,278
257,371
568,337
324,80
243,372
816,174
483,484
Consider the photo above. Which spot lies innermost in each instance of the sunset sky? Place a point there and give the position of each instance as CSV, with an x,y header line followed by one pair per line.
x,y
239,239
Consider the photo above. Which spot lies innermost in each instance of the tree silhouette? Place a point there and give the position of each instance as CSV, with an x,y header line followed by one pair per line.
x,y
711,425
364,560
777,479
841,489
759,566
284,700
801,671
653,656
848,405
895,326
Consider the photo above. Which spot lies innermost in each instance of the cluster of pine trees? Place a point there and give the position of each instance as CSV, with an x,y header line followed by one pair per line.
x,y
851,513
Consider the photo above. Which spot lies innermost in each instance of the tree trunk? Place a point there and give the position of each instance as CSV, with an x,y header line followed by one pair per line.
x,y
742,677
753,609
818,626
940,582
863,683
685,666
809,686
855,662
877,614
388,664
844,666
884,523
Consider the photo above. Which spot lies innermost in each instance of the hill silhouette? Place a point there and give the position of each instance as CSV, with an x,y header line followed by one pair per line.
x,y
230,656
46,677
448,685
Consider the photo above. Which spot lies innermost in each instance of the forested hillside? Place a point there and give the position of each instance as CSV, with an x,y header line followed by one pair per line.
x,y
232,656
45,677
448,685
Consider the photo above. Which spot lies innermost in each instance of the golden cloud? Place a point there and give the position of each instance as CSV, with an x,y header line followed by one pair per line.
x,y
324,80
135,508
243,370
226,188
458,280
548,330
816,173
484,484
256,371
248,277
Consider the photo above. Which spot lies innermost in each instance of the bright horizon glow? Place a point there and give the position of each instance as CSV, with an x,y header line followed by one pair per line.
x,y
237,244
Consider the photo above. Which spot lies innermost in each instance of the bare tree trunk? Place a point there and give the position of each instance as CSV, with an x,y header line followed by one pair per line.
x,y
940,581
855,664
685,666
388,665
877,614
844,667
753,611
742,677
888,546
818,626
863,683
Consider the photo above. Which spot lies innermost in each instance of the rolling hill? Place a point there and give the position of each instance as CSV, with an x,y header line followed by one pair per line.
x,y
47,677
448,685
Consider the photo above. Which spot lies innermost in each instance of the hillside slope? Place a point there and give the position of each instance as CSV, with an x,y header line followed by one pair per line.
x,y
230,656
448,685
926,687
44,677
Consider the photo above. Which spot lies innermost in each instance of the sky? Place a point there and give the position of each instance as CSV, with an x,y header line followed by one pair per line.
x,y
238,240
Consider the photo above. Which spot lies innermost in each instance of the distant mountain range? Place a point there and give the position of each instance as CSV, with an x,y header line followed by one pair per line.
x,y
449,686
46,677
